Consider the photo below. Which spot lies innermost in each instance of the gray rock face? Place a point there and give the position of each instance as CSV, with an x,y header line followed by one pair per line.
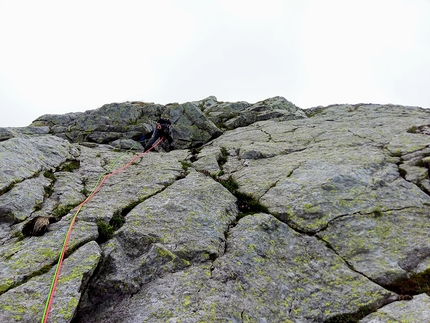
x,y
289,216
241,114
414,311
194,122
113,123
23,161
23,303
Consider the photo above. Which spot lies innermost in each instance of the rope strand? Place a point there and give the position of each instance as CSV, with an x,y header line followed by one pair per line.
x,y
102,178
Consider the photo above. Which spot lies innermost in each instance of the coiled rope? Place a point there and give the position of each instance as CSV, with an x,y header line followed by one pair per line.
x,y
99,183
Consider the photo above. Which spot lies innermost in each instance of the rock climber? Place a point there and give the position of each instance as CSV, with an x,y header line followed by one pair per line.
x,y
162,129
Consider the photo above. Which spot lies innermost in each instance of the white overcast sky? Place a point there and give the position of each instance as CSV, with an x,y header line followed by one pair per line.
x,y
60,56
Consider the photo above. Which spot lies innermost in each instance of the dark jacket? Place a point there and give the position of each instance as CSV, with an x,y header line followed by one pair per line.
x,y
163,129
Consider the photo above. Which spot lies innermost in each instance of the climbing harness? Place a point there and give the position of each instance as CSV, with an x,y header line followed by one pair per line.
x,y
102,178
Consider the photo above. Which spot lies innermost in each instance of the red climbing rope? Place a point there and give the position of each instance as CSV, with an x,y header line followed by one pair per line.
x,y
69,232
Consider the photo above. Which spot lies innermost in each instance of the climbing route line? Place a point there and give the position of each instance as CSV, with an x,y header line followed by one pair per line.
x,y
102,178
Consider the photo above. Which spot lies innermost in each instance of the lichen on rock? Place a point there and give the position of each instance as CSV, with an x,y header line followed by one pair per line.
x,y
340,232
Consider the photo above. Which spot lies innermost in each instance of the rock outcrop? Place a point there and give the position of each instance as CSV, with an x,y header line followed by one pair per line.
x,y
264,213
